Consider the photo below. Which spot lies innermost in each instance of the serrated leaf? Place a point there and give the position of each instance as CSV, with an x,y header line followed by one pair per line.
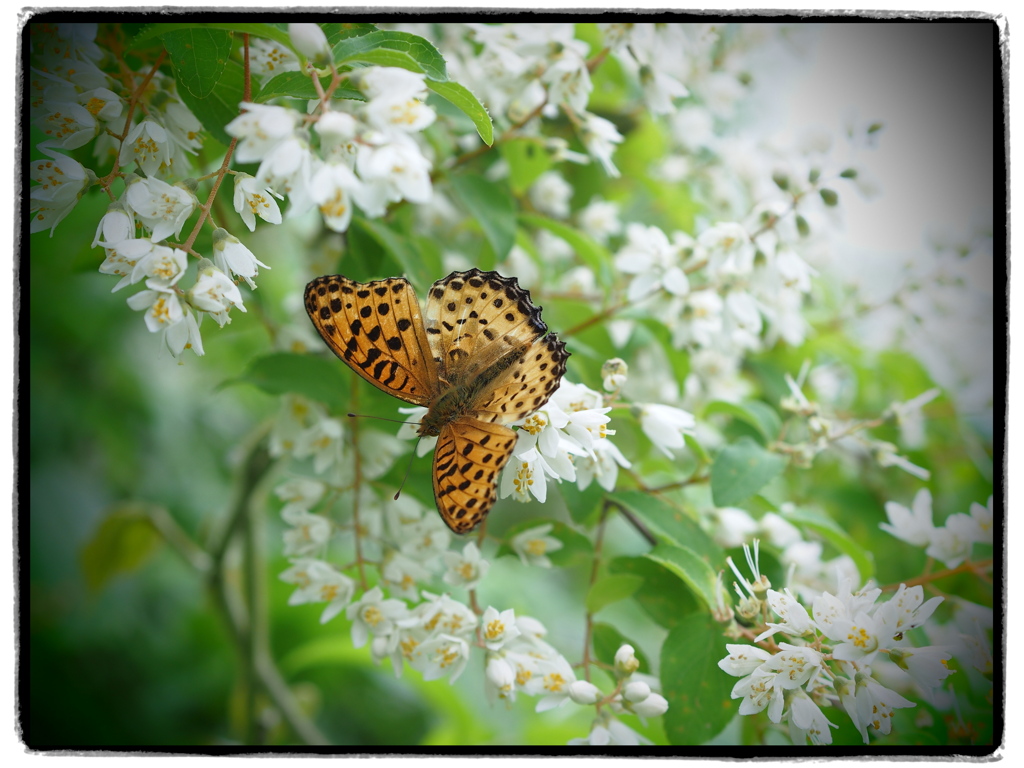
x,y
606,641
697,574
827,528
199,56
492,208
393,49
298,85
465,100
760,416
268,31
316,378
660,597
527,159
742,469
123,541
669,522
697,690
610,590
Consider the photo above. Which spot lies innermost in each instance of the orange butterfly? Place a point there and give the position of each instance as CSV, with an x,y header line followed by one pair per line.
x,y
478,359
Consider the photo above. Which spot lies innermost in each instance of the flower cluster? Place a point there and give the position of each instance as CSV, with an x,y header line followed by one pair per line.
x,y
839,649
369,158
950,543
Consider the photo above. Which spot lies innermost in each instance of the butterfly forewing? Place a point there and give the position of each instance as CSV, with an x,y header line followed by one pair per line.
x,y
468,457
376,328
475,318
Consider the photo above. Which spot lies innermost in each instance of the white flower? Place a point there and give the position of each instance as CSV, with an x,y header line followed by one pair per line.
x,y
733,526
184,335
534,544
163,307
287,167
310,41
147,145
323,441
319,582
390,172
261,128
303,491
648,254
926,666
373,615
338,131
233,258
730,250
626,662
551,194
252,199
660,88
807,720
442,655
600,136
600,219
214,292
270,58
501,678
67,124
332,188
116,225
872,705
308,535
743,659
498,628
795,619
161,264
60,183
162,208
466,569
603,465
665,425
912,526
396,99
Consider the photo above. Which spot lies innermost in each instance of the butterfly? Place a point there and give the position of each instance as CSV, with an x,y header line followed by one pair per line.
x,y
478,358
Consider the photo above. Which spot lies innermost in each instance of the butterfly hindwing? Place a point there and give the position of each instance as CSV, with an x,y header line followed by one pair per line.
x,y
527,384
376,329
468,457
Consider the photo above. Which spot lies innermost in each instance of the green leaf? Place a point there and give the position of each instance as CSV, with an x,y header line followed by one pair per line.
x,y
593,254
463,98
527,159
400,248
606,641
393,49
690,567
199,56
492,207
670,522
827,528
124,540
610,590
298,85
660,597
220,107
268,31
741,470
698,692
760,416
316,378
829,196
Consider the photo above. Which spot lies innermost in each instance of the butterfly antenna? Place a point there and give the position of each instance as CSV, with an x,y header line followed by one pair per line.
x,y
408,467
379,418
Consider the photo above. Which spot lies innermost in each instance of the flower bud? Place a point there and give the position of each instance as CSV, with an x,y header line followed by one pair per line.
x,y
311,42
626,662
614,373
654,705
636,691
583,692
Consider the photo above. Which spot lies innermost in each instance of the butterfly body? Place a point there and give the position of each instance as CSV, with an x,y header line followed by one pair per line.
x,y
478,358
